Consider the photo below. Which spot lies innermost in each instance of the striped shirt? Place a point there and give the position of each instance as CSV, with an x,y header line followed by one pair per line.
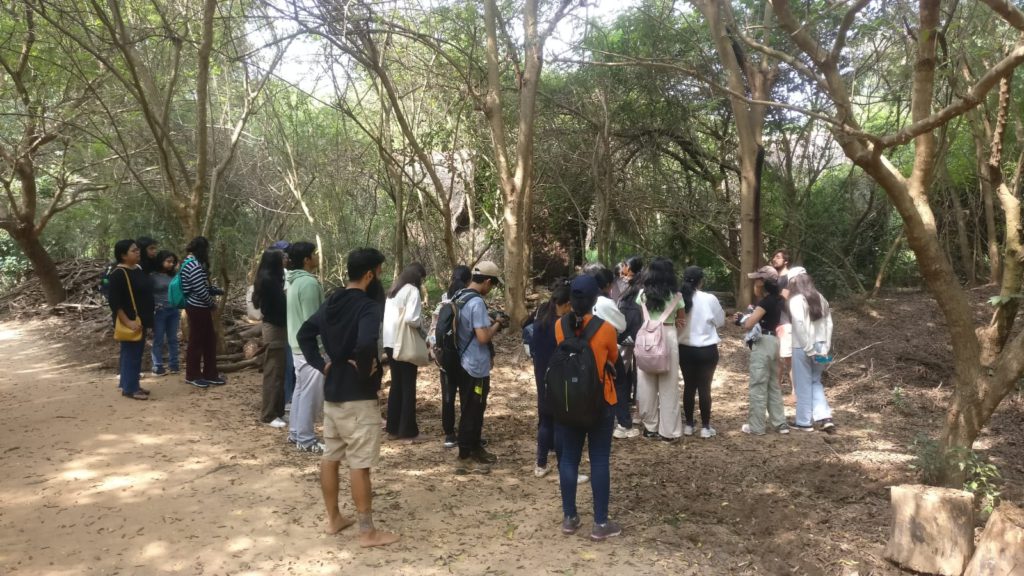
x,y
195,282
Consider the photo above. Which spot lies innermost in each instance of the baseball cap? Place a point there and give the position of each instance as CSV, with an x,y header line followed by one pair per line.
x,y
765,273
280,245
584,286
488,268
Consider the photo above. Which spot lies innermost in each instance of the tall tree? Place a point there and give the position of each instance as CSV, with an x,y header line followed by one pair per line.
x,y
41,173
980,384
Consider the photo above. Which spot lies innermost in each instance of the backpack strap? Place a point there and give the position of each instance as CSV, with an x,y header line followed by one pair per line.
x,y
459,300
669,308
588,332
132,294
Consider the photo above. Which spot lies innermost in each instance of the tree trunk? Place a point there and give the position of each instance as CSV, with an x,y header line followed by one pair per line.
x,y
963,241
43,265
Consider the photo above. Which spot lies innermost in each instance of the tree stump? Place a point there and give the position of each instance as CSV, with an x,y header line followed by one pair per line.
x,y
1001,549
932,529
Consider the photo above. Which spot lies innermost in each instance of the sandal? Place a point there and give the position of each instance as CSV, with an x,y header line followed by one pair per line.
x,y
137,396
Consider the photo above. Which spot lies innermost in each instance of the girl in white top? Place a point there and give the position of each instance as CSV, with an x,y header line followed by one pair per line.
x,y
812,341
698,349
403,306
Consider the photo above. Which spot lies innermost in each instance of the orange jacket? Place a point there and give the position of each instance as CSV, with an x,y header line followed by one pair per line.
x,y
606,350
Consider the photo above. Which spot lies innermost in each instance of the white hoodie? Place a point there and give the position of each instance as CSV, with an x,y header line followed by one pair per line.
x,y
807,332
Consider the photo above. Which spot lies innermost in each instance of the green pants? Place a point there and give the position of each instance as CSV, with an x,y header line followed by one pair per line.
x,y
764,386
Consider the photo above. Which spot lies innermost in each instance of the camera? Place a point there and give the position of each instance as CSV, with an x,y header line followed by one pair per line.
x,y
500,317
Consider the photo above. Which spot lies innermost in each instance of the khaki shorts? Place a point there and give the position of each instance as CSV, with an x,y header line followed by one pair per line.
x,y
784,332
352,431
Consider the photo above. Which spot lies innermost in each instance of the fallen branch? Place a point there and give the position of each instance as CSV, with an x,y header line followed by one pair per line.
x,y
236,366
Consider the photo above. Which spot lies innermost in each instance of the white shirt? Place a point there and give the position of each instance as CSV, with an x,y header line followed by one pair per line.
x,y
408,298
807,332
607,310
703,321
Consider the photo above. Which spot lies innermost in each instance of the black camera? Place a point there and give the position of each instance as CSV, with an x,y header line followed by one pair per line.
x,y
500,317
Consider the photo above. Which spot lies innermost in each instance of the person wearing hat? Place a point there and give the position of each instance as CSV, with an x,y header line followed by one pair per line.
x,y
584,291
764,355
475,331
698,349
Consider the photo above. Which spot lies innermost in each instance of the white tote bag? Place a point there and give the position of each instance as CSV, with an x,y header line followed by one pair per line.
x,y
409,344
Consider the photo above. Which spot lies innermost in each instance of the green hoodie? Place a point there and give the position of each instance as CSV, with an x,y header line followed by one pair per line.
x,y
304,296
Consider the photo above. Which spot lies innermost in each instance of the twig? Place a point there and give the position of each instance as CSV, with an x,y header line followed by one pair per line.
x,y
858,351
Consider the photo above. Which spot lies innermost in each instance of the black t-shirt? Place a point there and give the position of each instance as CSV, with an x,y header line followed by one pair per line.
x,y
141,289
772,305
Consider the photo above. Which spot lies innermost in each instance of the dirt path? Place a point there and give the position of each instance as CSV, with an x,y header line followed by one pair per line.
x,y
188,483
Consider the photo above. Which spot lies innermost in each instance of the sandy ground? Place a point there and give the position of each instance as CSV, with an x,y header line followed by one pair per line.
x,y
190,483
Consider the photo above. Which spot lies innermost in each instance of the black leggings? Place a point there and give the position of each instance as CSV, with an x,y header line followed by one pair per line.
x,y
698,367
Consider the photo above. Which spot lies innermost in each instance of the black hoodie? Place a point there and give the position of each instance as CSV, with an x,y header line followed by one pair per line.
x,y
348,324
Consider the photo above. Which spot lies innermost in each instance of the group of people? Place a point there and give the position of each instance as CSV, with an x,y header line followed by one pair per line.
x,y
137,286
644,328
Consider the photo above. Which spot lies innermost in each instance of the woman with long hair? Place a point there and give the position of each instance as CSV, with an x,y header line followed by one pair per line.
x,y
166,318
201,354
631,274
542,346
131,302
403,306
268,297
461,275
812,341
569,439
657,395
698,349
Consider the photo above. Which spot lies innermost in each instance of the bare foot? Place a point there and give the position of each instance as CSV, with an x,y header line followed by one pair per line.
x,y
338,524
376,537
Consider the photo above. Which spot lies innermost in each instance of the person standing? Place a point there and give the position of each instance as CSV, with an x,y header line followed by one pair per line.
x,y
348,324
606,309
475,331
784,332
812,343
268,297
201,354
542,346
303,299
403,306
131,302
634,315
166,318
764,354
461,276
698,349
570,439
657,394
149,259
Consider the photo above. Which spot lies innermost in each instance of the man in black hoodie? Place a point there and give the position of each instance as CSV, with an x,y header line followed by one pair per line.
x,y
348,324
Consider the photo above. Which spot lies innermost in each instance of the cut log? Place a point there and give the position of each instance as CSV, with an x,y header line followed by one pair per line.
x,y
932,529
252,348
1001,549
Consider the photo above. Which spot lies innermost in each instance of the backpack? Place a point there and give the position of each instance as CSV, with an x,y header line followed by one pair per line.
x,y
446,350
575,394
175,292
104,285
651,349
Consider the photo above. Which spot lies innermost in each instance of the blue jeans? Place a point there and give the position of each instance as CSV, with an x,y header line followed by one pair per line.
x,y
811,404
570,443
289,374
130,366
165,331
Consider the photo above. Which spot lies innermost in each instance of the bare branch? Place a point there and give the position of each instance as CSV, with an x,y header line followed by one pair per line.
x,y
844,29
1013,16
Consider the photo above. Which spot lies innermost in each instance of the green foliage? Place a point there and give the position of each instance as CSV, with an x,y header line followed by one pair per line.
x,y
980,477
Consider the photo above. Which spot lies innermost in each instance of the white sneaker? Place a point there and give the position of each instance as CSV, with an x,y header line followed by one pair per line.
x,y
582,479
277,423
746,430
541,471
708,432
632,432
687,430
620,432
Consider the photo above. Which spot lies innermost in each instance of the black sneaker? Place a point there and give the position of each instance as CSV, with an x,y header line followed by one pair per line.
x,y
159,371
483,442
198,383
483,456
827,426
218,381
450,441
470,465
649,434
